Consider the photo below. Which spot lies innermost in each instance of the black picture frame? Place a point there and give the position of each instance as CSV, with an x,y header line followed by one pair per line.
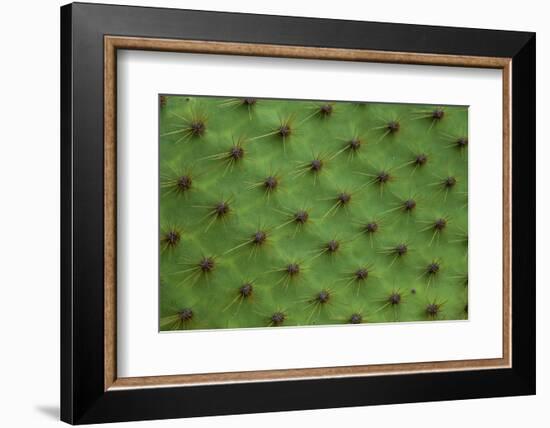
x,y
83,398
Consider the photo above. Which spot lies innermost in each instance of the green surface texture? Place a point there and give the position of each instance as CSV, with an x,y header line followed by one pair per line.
x,y
279,213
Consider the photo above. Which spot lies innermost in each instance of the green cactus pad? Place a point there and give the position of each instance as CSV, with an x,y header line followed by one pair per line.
x,y
279,213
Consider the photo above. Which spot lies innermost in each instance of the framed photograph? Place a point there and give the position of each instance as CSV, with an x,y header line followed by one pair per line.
x,y
266,213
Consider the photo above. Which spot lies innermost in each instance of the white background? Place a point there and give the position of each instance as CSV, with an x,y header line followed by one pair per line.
x,y
142,351
29,230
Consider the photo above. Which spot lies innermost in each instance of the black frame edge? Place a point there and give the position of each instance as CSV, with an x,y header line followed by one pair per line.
x,y
524,213
303,31
66,316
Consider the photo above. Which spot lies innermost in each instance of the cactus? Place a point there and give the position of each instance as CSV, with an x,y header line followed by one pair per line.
x,y
279,213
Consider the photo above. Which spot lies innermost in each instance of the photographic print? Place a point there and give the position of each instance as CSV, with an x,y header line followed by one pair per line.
x,y
283,212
